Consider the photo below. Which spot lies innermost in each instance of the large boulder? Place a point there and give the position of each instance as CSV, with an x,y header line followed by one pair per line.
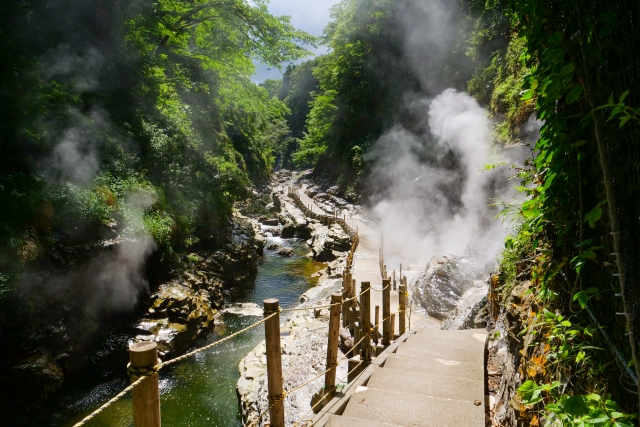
x,y
445,279
286,252
320,250
294,222
327,243
178,315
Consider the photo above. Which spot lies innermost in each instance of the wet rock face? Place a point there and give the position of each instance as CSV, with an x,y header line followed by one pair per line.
x,y
38,374
178,315
470,304
294,222
504,360
186,308
327,244
444,281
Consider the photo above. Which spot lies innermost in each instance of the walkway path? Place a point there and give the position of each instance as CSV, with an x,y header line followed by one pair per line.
x,y
428,377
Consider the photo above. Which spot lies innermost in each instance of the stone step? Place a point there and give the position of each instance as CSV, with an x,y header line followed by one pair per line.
x,y
451,341
433,365
342,421
468,335
442,351
410,410
429,384
459,332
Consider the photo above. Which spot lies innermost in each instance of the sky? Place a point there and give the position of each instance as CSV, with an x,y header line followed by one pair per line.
x,y
308,15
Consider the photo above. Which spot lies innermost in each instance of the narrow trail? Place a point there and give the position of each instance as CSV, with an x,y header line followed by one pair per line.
x,y
367,268
427,377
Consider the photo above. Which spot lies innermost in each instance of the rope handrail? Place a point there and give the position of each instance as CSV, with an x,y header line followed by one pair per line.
x,y
143,375
338,362
139,375
342,359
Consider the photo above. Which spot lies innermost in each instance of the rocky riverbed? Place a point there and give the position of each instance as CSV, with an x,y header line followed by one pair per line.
x,y
76,329
304,352
187,307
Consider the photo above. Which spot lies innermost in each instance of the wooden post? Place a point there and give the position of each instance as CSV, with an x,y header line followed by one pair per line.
x,y
376,327
365,309
402,308
345,308
354,291
353,318
394,280
357,334
386,312
332,346
146,396
393,327
274,362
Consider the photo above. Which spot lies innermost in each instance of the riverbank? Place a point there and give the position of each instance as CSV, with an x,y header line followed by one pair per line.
x,y
304,352
183,308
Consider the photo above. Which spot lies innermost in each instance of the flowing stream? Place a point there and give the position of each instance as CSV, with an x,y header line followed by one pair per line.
x,y
199,391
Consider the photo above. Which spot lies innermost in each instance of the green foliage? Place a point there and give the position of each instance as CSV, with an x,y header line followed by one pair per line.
x,y
576,411
500,85
148,98
561,61
361,85
320,122
620,110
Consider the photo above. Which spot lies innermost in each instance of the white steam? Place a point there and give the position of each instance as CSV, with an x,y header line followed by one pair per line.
x,y
82,70
436,193
109,275
75,156
119,277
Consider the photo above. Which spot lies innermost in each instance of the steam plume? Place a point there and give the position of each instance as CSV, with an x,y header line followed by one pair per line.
x,y
435,197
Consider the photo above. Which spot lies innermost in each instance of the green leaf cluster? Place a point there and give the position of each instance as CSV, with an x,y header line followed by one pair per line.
x,y
151,97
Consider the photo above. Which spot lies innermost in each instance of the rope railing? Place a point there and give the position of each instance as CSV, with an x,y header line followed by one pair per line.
x,y
306,383
150,371
145,366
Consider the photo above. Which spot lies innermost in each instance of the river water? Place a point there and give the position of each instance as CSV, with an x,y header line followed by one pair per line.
x,y
199,391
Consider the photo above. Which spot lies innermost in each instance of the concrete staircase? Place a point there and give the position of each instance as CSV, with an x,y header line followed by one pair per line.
x,y
428,377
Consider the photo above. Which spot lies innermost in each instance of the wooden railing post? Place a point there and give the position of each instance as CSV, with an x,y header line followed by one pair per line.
x,y
393,327
354,292
365,309
146,396
357,334
402,308
386,312
274,362
345,309
376,327
332,346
